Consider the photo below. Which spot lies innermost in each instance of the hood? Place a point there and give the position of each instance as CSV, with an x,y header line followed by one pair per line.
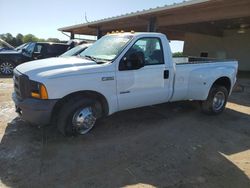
x,y
5,49
58,67
9,52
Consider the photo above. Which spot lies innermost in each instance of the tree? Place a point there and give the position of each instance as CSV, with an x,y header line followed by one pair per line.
x,y
19,39
178,54
30,38
10,39
53,40
7,38
41,40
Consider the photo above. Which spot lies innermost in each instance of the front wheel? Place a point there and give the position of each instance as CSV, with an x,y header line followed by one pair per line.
x,y
6,68
216,101
77,116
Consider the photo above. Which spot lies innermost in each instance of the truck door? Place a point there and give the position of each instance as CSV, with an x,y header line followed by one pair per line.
x,y
142,78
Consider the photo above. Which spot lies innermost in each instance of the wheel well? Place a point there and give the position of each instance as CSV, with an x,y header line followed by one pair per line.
x,y
223,81
88,94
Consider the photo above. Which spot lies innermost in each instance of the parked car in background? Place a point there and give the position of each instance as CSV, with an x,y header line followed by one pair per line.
x,y
27,52
14,49
118,72
4,48
20,47
76,50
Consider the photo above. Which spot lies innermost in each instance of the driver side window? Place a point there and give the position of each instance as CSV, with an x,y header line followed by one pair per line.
x,y
38,48
145,51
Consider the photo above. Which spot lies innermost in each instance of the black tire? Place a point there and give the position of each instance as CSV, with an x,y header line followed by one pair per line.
x,y
208,105
6,68
66,113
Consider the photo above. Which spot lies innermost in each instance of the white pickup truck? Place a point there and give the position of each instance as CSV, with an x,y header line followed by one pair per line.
x,y
118,72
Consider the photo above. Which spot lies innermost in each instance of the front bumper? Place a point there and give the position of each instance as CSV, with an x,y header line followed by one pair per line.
x,y
34,111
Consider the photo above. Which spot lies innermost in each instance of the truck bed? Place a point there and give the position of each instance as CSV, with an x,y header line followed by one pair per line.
x,y
193,79
197,60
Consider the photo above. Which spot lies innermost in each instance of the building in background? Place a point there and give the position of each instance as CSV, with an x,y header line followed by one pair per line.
x,y
209,28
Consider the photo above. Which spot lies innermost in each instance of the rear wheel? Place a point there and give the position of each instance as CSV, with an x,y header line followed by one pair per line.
x,y
6,68
77,116
216,101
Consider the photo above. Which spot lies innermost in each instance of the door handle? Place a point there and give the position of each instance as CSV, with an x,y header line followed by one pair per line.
x,y
124,92
166,74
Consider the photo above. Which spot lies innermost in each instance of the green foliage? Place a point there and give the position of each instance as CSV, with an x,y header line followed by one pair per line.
x,y
8,38
53,40
20,39
178,54
41,40
30,38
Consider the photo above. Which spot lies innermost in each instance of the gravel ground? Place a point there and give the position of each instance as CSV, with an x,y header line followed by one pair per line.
x,y
168,145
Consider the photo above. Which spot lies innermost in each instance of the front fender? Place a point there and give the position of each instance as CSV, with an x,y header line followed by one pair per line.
x,y
61,87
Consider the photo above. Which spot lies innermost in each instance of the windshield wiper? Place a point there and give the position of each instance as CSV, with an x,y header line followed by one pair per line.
x,y
94,59
90,57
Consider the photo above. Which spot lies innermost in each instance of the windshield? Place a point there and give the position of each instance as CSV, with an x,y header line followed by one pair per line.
x,y
74,51
106,48
21,46
28,49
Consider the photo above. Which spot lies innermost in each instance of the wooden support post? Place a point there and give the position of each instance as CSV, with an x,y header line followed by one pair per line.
x,y
98,32
72,35
151,25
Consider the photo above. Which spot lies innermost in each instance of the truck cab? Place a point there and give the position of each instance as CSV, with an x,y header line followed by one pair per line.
x,y
118,72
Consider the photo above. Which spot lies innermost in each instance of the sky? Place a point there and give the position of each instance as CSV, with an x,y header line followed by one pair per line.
x,y
43,18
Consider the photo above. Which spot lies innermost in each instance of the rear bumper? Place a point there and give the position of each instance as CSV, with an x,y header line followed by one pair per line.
x,y
34,111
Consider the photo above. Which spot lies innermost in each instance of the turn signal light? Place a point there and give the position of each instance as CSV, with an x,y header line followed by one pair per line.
x,y
35,95
43,92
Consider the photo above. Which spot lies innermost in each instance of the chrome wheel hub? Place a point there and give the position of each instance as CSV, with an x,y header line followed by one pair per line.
x,y
6,68
219,100
84,120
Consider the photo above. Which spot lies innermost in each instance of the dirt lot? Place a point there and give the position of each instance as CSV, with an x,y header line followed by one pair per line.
x,y
168,145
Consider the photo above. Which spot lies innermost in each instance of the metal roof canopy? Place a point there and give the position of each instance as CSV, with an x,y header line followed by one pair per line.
x,y
199,16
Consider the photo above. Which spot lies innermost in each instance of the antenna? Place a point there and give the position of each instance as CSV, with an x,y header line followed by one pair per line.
x,y
86,19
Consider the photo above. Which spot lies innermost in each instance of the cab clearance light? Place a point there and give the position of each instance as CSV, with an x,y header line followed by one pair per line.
x,y
122,31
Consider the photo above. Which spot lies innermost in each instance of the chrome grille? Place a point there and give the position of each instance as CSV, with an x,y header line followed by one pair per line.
x,y
17,84
21,85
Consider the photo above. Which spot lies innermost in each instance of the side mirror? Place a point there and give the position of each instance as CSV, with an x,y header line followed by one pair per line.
x,y
134,61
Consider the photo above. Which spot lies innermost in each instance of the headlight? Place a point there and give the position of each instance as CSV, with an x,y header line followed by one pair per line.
x,y
38,90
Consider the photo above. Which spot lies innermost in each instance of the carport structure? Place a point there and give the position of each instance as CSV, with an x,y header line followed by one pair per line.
x,y
214,28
